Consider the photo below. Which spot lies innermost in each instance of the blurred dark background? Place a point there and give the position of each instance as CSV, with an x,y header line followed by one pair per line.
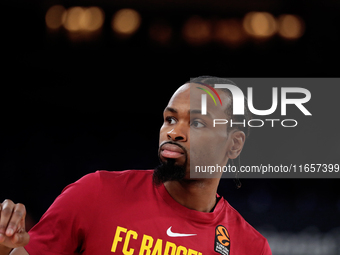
x,y
75,101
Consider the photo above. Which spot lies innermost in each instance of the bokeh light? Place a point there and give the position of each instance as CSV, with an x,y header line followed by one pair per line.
x,y
126,22
229,32
161,32
83,19
197,30
290,26
53,17
93,18
73,19
260,24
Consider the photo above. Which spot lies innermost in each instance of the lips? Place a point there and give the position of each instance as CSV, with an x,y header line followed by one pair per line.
x,y
169,150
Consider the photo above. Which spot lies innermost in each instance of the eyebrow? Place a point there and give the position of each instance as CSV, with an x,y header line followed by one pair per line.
x,y
173,110
199,112
169,109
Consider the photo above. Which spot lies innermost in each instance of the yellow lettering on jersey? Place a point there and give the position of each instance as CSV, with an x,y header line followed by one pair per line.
x,y
127,240
146,245
169,245
181,249
157,250
117,238
192,252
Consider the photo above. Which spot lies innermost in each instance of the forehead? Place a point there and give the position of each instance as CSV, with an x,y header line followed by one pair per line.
x,y
189,96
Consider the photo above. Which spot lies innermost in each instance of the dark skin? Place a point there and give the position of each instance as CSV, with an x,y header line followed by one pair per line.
x,y
12,228
205,144
183,124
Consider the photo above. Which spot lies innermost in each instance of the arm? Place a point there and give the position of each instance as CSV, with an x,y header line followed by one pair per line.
x,y
12,228
69,217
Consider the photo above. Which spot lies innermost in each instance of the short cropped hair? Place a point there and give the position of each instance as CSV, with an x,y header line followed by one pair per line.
x,y
211,80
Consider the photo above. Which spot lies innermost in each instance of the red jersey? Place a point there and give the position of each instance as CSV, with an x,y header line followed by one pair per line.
x,y
125,213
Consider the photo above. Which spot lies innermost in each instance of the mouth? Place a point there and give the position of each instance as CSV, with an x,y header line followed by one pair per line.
x,y
169,150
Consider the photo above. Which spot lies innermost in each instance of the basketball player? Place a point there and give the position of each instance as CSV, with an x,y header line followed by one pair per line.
x,y
152,212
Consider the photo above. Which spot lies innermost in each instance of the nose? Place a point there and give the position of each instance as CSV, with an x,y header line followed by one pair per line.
x,y
177,134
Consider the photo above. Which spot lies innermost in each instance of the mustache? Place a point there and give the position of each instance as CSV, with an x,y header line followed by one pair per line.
x,y
174,143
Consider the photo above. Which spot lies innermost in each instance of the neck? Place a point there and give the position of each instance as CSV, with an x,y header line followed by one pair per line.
x,y
199,195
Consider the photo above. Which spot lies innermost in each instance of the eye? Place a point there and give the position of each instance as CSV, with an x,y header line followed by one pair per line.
x,y
197,124
171,120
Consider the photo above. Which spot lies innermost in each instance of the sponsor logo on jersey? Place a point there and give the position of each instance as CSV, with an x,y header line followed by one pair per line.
x,y
172,234
222,240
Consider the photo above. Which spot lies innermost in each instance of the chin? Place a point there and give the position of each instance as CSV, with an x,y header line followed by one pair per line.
x,y
169,170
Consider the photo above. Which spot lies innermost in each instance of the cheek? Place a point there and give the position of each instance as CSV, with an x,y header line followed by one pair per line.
x,y
208,147
162,134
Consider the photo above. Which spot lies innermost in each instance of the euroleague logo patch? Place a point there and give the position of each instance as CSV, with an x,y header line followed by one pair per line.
x,y
222,240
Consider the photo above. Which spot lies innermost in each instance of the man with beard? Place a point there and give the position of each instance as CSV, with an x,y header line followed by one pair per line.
x,y
161,211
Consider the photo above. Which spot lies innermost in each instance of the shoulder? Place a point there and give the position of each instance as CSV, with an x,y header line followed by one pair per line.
x,y
246,234
109,176
125,176
237,220
97,181
100,184
116,180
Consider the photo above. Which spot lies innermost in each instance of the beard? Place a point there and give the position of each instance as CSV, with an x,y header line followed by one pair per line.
x,y
169,171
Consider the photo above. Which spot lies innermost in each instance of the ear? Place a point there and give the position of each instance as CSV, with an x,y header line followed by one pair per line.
x,y
238,139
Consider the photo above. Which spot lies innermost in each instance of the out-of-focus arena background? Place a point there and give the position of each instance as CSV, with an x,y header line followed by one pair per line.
x,y
84,85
